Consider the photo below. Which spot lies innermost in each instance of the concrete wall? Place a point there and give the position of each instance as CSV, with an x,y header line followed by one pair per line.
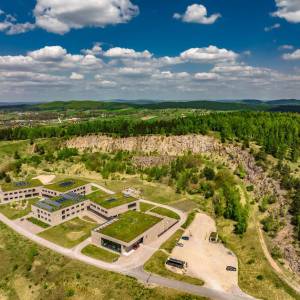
x,y
109,213
81,190
21,194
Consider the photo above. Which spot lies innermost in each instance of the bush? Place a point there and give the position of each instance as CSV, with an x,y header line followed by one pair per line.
x,y
209,173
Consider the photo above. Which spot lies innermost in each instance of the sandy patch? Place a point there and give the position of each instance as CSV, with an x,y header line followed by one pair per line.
x,y
45,179
75,235
21,285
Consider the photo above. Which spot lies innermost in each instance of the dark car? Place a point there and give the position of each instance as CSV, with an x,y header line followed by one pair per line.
x,y
231,268
185,238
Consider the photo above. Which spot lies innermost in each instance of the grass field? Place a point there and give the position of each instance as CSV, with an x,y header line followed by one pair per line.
x,y
100,253
169,244
30,272
256,276
38,222
130,225
165,212
145,206
18,209
70,233
156,264
189,220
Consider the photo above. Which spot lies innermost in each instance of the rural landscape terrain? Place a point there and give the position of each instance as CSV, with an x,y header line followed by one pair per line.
x,y
234,172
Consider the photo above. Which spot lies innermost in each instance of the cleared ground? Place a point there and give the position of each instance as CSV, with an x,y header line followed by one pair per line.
x,y
207,260
70,233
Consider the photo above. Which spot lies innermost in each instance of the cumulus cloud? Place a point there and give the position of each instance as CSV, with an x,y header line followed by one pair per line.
x,y
197,13
206,76
288,10
48,53
10,25
209,54
270,28
118,52
292,56
76,76
62,16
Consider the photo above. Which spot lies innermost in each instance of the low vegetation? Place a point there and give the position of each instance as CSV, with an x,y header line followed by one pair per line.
x,y
38,222
70,233
170,244
28,272
165,212
100,253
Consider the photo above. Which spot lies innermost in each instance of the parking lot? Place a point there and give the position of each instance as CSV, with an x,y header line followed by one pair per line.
x,y
206,260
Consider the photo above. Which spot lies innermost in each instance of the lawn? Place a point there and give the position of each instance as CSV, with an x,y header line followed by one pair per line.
x,y
145,206
38,222
100,253
28,272
165,212
156,264
130,225
256,276
18,209
190,218
70,233
169,244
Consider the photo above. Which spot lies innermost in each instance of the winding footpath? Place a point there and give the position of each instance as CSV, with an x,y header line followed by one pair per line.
x,y
131,266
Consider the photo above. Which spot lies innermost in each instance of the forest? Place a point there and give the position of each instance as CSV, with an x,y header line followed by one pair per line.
x,y
277,133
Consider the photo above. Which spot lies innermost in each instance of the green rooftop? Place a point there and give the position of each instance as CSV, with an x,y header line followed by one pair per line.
x,y
66,185
59,202
19,185
130,225
110,201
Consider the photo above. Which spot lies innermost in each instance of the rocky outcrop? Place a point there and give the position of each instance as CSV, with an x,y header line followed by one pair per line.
x,y
171,146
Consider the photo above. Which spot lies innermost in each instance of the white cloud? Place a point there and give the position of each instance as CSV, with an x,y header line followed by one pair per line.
x,y
206,76
197,13
288,10
96,50
48,53
285,47
76,76
62,16
292,56
10,26
270,28
209,54
118,52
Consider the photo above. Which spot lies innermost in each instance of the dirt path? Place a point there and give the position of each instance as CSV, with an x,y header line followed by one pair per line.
x,y
289,281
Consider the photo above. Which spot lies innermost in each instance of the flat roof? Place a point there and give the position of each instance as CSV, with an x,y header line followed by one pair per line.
x,y
66,184
59,202
110,201
19,185
130,225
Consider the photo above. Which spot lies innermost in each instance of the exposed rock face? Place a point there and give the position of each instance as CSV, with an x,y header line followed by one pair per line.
x,y
172,145
233,155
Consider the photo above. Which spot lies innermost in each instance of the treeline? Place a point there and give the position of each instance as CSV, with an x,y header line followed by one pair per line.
x,y
277,133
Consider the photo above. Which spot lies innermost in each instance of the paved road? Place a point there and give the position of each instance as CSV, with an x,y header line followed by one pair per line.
x,y
132,269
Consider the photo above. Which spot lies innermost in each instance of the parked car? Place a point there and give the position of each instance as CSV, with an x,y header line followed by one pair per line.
x,y
179,244
231,268
185,238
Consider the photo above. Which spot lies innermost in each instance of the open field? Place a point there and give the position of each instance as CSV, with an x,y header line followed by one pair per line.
x,y
100,253
156,264
18,209
30,272
70,233
256,276
165,212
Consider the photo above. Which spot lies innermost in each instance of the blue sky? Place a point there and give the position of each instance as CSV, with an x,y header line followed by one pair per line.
x,y
159,49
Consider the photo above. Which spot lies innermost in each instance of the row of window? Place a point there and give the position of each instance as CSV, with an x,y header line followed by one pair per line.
x,y
44,218
21,196
43,212
72,208
73,213
98,208
20,192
